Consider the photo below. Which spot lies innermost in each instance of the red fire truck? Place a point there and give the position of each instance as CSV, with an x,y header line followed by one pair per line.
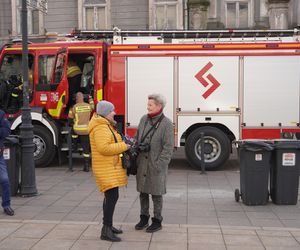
x,y
229,85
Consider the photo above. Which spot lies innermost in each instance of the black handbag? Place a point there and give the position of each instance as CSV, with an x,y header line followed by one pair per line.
x,y
129,162
128,159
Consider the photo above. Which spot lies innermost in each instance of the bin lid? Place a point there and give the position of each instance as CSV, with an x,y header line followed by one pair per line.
x,y
11,140
287,144
256,145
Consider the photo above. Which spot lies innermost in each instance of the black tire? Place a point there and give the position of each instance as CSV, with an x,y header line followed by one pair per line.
x,y
44,151
216,148
237,195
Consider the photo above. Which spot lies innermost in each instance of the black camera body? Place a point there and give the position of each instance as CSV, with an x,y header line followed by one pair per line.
x,y
140,147
144,147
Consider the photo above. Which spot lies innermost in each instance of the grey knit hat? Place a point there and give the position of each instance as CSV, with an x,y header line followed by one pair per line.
x,y
104,108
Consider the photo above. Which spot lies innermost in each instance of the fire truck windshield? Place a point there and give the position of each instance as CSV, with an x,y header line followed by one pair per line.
x,y
11,66
11,82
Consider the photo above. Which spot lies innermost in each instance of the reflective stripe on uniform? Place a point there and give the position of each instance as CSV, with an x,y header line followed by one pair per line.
x,y
82,109
14,95
86,155
80,127
73,71
74,136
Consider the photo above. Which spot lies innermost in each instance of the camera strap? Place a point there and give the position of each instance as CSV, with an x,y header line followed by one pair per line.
x,y
154,126
113,134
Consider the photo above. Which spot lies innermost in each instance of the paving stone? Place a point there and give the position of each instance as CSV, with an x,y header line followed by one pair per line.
x,y
33,230
278,241
197,246
51,244
91,245
69,232
17,243
238,231
273,233
169,237
242,240
229,247
206,239
129,245
168,246
266,222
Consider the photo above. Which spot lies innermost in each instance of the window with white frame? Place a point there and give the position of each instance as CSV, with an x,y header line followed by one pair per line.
x,y
238,14
95,14
34,18
165,14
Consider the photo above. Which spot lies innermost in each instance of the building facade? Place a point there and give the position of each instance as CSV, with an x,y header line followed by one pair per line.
x,y
64,15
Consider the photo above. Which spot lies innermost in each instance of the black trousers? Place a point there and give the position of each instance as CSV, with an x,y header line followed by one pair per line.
x,y
85,143
109,203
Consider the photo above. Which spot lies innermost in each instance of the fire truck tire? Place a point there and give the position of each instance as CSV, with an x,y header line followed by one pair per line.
x,y
216,148
44,147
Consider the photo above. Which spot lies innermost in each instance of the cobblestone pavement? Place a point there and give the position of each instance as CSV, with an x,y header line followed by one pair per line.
x,y
200,212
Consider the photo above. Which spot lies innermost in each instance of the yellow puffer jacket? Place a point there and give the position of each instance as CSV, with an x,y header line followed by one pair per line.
x,y
106,162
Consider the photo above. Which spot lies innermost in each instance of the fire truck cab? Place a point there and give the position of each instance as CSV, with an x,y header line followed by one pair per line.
x,y
51,89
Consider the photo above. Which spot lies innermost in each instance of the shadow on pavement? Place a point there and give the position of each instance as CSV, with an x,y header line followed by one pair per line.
x,y
178,162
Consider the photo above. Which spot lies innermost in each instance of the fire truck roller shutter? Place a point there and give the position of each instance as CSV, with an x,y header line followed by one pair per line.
x,y
45,138
217,147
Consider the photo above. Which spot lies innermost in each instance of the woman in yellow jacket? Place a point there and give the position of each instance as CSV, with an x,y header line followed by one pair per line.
x,y
106,163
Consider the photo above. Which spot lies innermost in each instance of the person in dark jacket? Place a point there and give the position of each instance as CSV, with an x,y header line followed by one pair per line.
x,y
4,181
155,152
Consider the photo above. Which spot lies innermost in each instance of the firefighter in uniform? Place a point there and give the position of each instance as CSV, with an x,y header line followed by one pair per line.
x,y
80,115
17,92
74,79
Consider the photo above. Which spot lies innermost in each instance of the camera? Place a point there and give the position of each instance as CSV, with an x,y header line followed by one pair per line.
x,y
143,147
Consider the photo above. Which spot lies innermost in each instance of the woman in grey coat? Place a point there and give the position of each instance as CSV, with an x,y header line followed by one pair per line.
x,y
156,142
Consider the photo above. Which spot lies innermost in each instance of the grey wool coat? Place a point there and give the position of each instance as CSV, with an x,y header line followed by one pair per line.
x,y
152,168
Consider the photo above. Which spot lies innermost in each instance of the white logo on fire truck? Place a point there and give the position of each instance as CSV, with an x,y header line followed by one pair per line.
x,y
200,77
54,97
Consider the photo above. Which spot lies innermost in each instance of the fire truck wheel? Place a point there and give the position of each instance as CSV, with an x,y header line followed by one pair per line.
x,y
216,148
44,147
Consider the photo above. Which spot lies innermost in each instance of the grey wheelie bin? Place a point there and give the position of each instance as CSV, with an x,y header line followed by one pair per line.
x,y
284,179
254,160
11,155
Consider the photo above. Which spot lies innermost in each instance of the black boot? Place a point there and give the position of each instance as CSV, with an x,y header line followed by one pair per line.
x,y
155,226
143,223
86,167
116,231
107,234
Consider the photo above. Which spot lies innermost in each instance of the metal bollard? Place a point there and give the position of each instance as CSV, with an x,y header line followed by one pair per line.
x,y
202,163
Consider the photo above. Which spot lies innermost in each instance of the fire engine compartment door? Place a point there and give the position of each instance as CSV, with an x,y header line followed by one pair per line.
x,y
148,75
271,90
208,83
58,96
